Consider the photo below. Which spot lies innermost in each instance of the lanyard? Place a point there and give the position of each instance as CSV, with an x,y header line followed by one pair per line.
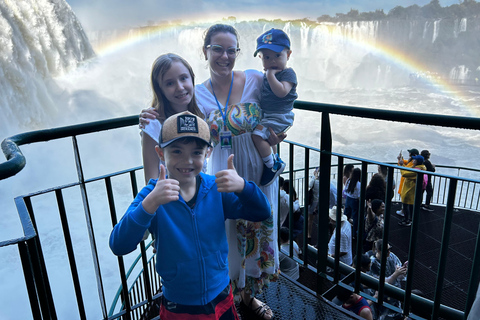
x,y
224,114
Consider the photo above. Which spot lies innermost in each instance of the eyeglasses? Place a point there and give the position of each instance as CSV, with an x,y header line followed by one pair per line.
x,y
218,50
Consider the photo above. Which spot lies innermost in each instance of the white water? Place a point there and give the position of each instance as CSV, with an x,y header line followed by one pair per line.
x,y
44,89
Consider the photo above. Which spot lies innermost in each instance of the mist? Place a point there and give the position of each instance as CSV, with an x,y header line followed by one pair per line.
x,y
111,14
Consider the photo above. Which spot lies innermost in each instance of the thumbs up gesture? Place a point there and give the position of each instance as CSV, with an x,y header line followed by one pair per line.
x,y
228,180
165,191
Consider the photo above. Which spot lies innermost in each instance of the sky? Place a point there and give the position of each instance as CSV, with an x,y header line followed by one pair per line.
x,y
114,14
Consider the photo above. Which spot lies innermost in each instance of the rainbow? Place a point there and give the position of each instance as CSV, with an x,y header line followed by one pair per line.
x,y
128,38
389,54
399,59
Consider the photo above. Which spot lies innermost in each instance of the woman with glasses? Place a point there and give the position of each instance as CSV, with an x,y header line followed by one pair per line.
x,y
230,100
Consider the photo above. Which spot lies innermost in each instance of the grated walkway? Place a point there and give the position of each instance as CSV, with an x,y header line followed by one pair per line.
x,y
289,300
465,225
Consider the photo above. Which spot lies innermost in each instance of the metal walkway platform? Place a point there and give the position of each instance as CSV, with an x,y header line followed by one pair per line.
x,y
289,300
464,231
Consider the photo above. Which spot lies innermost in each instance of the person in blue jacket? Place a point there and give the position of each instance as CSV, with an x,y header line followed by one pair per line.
x,y
186,212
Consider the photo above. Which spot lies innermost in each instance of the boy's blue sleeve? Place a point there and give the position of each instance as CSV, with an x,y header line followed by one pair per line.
x,y
129,231
250,204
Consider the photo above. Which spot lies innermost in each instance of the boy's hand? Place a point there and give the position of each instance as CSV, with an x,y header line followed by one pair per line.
x,y
165,191
229,180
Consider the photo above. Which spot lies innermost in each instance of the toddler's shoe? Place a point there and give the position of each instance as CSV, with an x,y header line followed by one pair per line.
x,y
270,174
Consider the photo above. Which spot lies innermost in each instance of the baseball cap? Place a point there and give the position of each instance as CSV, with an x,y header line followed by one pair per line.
x,y
183,125
273,39
419,159
413,151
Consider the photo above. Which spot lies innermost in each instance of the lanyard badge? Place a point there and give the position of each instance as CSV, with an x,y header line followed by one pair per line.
x,y
225,139
225,134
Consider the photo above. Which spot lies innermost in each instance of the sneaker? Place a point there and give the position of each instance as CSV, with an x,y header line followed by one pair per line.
x,y
427,209
270,174
404,223
400,213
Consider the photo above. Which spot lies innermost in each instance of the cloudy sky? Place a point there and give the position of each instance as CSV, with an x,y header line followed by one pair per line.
x,y
108,14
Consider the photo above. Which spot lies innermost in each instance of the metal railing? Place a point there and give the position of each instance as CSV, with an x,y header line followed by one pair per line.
x,y
467,194
457,191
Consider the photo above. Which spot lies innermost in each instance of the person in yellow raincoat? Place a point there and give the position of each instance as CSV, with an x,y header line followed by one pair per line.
x,y
405,163
408,189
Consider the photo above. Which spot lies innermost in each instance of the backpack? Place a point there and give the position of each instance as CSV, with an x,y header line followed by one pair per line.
x,y
425,181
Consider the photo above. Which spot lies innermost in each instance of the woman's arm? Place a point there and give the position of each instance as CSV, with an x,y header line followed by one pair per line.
x,y
151,161
370,214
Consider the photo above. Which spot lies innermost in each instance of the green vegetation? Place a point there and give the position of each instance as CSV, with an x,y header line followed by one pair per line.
x,y
433,10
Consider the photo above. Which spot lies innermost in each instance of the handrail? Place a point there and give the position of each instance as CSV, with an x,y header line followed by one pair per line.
x,y
16,162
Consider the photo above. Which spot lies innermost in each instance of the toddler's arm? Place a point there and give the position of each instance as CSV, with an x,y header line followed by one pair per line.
x,y
279,88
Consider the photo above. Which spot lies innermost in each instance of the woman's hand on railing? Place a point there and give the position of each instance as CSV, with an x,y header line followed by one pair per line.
x,y
146,115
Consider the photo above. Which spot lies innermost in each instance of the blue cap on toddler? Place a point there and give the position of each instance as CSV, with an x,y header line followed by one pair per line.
x,y
273,39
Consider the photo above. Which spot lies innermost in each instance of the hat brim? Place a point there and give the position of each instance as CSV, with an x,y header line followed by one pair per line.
x,y
273,47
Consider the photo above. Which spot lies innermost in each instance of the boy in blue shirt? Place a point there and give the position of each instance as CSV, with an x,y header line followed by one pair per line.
x,y
186,213
278,94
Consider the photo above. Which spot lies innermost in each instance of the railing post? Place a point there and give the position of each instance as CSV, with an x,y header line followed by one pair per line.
x,y
305,206
89,222
336,275
323,210
447,227
290,198
70,253
35,258
361,221
474,276
29,279
413,239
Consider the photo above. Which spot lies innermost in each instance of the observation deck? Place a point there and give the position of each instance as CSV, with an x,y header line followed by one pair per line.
x,y
442,247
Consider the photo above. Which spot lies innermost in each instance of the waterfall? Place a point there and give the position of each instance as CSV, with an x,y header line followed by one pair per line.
x,y
39,46
304,30
436,27
463,25
425,29
39,40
